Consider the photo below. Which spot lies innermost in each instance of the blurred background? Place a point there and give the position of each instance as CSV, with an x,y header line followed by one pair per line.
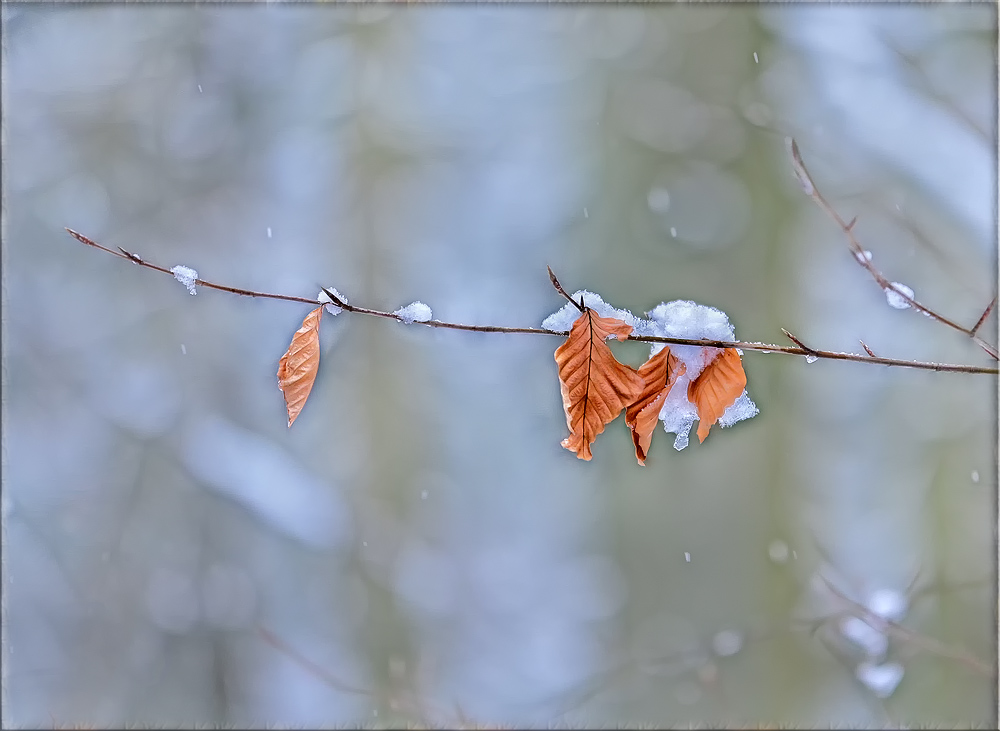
x,y
418,548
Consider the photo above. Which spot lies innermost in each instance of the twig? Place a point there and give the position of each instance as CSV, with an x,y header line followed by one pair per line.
x,y
982,317
309,665
129,255
761,347
892,628
809,187
927,89
559,288
867,349
799,342
334,298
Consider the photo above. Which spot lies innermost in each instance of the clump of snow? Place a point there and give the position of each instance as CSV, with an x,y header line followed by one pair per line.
x,y
414,312
893,297
888,604
186,276
564,318
778,551
864,256
882,680
727,642
677,319
658,200
686,319
872,641
332,308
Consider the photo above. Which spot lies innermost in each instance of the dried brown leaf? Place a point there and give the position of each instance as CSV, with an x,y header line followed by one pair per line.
x,y
595,386
298,366
717,388
659,374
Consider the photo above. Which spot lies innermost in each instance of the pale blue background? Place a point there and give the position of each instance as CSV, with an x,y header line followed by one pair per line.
x,y
420,534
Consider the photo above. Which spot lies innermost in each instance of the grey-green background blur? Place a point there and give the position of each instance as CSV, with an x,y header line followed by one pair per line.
x,y
418,548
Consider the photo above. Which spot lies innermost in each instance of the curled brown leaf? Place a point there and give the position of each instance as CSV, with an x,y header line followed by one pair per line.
x,y
595,387
716,389
298,366
659,374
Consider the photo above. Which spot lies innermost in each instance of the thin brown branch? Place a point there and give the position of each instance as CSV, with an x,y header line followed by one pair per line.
x,y
129,256
760,347
334,298
809,187
798,342
308,664
559,288
927,89
982,317
889,627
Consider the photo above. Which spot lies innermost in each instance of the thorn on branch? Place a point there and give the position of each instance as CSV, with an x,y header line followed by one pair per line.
x,y
867,349
982,318
335,299
559,288
864,258
799,168
798,342
130,256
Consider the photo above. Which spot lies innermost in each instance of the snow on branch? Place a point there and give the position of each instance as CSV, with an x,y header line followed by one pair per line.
x,y
766,348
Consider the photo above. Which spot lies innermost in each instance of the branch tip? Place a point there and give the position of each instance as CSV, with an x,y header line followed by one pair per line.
x,y
559,288
798,342
80,237
859,253
867,349
799,167
982,317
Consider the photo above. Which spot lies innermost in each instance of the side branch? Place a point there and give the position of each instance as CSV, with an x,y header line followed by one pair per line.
x,y
760,347
809,187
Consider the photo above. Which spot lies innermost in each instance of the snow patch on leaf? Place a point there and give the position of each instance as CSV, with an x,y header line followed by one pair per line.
x,y
677,319
414,312
564,318
687,319
742,409
186,276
